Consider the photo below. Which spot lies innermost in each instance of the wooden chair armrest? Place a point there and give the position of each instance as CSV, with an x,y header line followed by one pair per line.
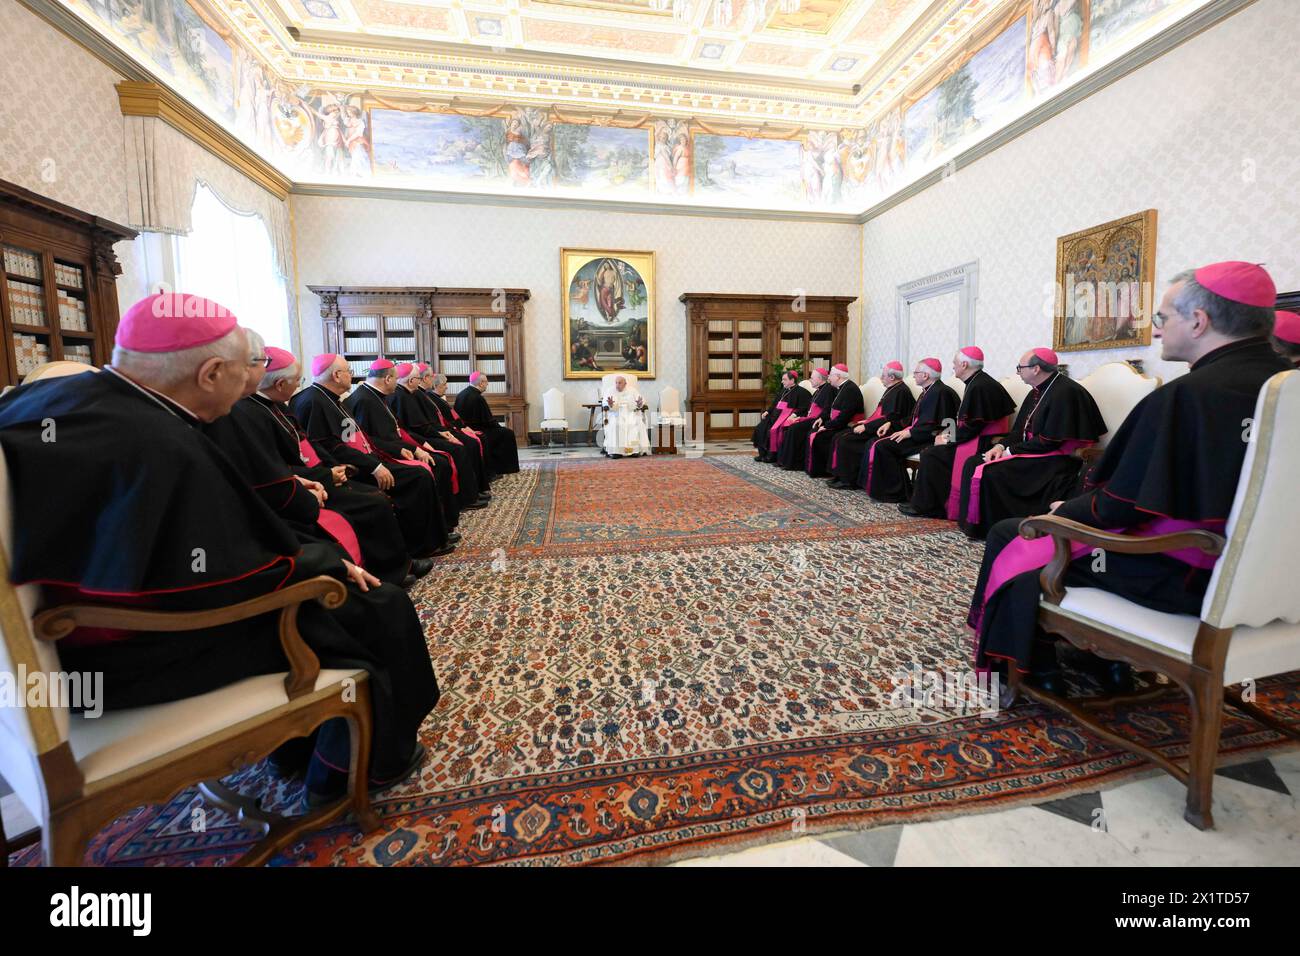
x,y
1064,531
56,623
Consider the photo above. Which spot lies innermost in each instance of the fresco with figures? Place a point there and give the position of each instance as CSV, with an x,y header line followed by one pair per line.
x,y
344,134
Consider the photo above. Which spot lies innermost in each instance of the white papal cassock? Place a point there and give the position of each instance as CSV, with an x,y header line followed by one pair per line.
x,y
625,428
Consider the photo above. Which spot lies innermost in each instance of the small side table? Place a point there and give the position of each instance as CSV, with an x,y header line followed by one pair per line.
x,y
591,420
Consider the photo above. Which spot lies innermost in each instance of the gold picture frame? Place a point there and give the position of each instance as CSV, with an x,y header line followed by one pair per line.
x,y
608,302
1105,285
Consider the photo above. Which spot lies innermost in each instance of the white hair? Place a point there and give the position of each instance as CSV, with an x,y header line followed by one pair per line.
x,y
271,379
326,372
439,379
163,370
893,373
256,345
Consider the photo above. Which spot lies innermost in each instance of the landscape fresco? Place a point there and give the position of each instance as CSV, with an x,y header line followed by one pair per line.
x,y
748,168
1112,19
602,158
439,146
986,86
180,42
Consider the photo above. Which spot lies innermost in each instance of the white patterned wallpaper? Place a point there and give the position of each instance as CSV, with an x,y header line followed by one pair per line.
x,y
1207,135
404,242
60,126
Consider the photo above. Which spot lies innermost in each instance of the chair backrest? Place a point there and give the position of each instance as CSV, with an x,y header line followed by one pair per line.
x,y
553,404
670,402
807,386
1016,388
1116,388
957,386
607,383
915,389
1248,585
26,732
872,389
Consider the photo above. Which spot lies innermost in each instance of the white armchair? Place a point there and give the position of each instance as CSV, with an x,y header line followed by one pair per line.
x,y
670,415
1249,625
872,390
1117,388
1017,389
75,773
555,417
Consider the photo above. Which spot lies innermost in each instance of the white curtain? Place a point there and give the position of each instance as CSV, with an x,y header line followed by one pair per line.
x,y
177,188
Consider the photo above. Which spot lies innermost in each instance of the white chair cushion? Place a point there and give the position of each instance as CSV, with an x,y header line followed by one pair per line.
x,y
1253,651
673,420
551,424
121,739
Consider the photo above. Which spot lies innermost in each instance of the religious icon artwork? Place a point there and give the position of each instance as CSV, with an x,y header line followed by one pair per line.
x,y
1105,285
608,311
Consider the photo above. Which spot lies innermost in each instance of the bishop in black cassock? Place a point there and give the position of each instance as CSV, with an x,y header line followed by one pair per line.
x,y
793,405
846,410
1173,465
499,446
416,414
883,472
432,397
177,528
1286,336
984,410
794,434
334,432
892,412
1033,464
758,438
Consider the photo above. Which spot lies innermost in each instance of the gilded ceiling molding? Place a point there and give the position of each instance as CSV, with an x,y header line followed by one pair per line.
x,y
152,100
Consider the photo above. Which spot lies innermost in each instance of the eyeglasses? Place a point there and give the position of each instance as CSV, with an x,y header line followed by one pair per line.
x,y
1021,368
1157,321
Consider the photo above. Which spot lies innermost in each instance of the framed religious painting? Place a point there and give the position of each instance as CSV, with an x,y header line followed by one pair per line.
x,y
1105,285
608,311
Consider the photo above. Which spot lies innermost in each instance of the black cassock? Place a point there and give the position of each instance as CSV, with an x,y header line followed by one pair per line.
x,y
499,445
1177,456
419,415
794,438
883,473
262,442
798,400
369,408
984,403
1058,415
846,407
177,528
414,495
414,417
447,417
848,453
758,438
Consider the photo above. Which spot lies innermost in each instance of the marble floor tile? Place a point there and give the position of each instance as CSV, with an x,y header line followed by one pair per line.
x,y
805,851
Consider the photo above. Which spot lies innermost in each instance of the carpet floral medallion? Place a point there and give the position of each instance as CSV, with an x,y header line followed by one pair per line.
x,y
647,659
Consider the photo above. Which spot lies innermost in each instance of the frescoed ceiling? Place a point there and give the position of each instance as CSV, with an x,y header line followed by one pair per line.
x,y
792,105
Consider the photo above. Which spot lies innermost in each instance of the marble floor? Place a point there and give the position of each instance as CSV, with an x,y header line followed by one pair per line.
x,y
1138,823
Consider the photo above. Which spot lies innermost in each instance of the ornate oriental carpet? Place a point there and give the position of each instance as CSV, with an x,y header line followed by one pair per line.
x,y
649,659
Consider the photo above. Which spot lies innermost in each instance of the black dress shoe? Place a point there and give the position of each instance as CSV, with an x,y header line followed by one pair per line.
x,y
409,582
478,505
453,537
1051,681
485,496
337,784
1117,678
911,511
439,552
420,567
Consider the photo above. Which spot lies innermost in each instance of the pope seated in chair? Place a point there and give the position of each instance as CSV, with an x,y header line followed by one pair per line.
x,y
626,433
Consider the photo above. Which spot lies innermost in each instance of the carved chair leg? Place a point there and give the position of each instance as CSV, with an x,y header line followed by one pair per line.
x,y
360,725
1207,720
64,842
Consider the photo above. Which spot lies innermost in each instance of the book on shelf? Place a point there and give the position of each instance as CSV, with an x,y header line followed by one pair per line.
x,y
749,419
491,324
453,344
719,365
29,352
20,262
749,365
453,323
360,323
399,323
68,275
721,325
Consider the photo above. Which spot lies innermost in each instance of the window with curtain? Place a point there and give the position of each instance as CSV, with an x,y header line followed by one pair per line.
x,y
228,257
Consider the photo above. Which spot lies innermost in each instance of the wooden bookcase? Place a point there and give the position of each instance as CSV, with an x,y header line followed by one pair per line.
x,y
456,330
733,337
58,296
